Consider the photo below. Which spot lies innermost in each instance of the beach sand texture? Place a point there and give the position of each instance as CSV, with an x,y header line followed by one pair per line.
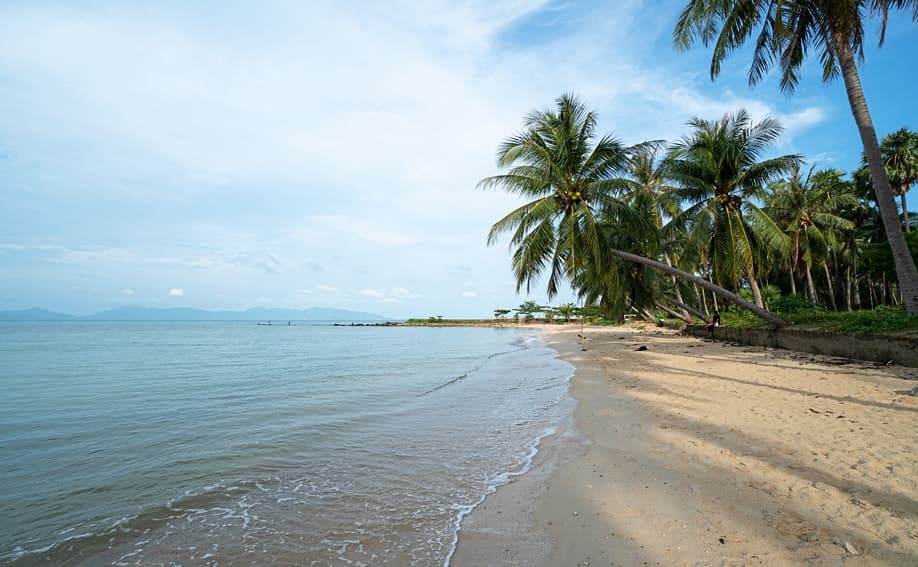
x,y
700,453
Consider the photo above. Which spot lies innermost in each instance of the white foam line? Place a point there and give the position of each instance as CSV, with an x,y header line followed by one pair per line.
x,y
498,481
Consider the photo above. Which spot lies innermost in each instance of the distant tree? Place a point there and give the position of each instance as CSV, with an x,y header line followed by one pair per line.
x,y
900,156
500,313
566,311
807,208
528,309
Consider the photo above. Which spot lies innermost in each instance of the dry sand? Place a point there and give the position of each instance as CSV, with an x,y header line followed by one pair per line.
x,y
700,453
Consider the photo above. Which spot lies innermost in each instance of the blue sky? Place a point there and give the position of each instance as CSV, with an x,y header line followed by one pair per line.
x,y
226,155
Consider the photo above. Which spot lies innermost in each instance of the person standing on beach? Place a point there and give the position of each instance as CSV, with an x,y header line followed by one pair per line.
x,y
715,322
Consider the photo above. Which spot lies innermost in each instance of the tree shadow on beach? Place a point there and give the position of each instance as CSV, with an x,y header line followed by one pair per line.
x,y
777,455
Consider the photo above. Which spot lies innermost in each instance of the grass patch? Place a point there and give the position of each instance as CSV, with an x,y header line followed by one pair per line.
x,y
806,317
879,321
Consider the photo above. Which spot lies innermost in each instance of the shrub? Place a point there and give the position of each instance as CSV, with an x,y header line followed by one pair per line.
x,y
793,304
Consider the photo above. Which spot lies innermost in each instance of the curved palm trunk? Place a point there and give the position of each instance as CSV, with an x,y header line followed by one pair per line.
x,y
906,272
685,307
727,295
676,290
674,313
905,210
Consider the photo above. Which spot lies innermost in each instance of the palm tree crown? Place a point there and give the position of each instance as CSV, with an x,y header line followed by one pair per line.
x,y
900,156
555,162
720,170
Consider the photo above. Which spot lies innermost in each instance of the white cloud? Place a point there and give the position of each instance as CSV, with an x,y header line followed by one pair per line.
x,y
469,294
176,292
371,293
402,293
180,125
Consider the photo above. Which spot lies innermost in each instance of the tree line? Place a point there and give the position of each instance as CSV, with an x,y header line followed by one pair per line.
x,y
682,226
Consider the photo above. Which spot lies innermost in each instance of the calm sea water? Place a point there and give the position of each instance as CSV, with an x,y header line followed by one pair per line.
x,y
236,444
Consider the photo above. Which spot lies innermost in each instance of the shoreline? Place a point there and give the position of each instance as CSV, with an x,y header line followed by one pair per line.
x,y
694,452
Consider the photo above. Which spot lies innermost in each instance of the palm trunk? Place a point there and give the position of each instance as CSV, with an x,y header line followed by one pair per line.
x,y
836,273
831,287
756,292
687,308
727,295
904,210
855,284
848,289
681,316
795,261
906,272
704,300
675,284
873,293
811,289
713,295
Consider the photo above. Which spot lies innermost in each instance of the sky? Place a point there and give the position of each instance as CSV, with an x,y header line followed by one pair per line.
x,y
227,154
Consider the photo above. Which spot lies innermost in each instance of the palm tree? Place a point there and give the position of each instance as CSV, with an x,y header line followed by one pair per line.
x,y
787,31
900,156
646,190
807,208
720,171
555,162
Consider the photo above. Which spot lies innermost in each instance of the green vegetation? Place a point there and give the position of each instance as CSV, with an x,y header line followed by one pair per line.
x,y
879,321
710,222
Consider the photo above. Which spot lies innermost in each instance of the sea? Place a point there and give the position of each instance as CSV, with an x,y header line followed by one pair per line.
x,y
233,443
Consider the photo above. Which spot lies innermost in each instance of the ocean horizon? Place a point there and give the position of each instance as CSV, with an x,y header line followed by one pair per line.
x,y
231,443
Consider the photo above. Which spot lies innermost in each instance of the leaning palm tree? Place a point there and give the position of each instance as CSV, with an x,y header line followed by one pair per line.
x,y
720,170
569,178
786,32
900,156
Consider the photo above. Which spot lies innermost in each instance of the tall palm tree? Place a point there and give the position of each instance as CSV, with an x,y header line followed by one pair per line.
x,y
720,170
556,162
787,31
647,190
807,208
900,156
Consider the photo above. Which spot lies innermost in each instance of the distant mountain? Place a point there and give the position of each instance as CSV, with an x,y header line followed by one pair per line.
x,y
135,313
35,314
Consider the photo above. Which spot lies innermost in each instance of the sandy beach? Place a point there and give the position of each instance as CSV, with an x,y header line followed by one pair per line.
x,y
690,452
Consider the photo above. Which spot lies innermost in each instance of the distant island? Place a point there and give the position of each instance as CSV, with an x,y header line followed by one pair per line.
x,y
137,313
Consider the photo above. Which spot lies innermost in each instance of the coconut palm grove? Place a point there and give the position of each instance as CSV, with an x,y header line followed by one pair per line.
x,y
717,218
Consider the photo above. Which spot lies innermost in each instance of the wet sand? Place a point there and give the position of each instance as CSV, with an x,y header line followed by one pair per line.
x,y
699,453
